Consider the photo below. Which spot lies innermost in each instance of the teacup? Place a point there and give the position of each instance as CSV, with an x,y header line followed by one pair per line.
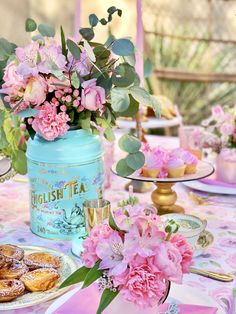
x,y
189,226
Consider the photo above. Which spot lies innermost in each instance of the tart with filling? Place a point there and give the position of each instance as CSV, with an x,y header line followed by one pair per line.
x,y
14,271
12,251
40,279
10,289
41,260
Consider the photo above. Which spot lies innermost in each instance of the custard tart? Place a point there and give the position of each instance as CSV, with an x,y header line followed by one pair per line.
x,y
41,260
12,251
41,279
10,289
2,260
14,271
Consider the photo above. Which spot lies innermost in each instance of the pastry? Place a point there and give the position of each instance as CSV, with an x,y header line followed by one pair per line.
x,y
12,251
175,168
152,166
13,271
188,158
41,260
2,260
41,279
10,289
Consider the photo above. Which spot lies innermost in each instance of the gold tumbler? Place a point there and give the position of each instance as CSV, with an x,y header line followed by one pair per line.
x,y
96,211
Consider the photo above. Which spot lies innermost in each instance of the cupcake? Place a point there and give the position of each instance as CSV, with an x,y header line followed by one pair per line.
x,y
191,163
175,167
152,166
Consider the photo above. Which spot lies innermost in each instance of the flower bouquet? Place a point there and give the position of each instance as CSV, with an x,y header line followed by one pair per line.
x,y
219,135
50,87
133,256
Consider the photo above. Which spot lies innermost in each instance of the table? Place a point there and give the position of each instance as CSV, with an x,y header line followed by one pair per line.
x,y
221,256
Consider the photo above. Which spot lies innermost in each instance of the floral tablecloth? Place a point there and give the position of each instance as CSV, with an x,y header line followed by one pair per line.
x,y
221,256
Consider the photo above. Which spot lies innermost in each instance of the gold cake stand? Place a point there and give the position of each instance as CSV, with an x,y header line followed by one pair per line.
x,y
164,197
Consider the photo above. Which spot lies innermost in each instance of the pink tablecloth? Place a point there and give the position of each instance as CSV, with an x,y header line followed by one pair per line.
x,y
221,256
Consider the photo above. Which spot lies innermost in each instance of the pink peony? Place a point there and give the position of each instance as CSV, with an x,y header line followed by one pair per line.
x,y
36,90
98,233
168,260
28,59
110,251
93,96
141,284
48,123
185,250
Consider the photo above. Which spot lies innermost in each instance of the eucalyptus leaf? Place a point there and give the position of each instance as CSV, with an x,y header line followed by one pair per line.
x,y
38,38
130,59
129,143
123,75
107,297
141,95
135,161
93,274
19,162
30,112
87,33
112,10
78,276
73,48
46,30
155,106
75,80
123,47
6,49
119,99
3,139
148,68
103,21
132,109
109,135
123,169
30,25
93,20
105,82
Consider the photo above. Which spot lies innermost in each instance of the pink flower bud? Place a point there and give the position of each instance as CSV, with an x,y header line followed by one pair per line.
x,y
7,98
23,126
56,103
63,108
76,92
30,120
80,108
68,98
75,103
58,94
63,98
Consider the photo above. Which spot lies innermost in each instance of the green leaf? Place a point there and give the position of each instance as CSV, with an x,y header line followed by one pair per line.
x,y
101,52
136,160
123,75
148,68
123,169
3,139
19,162
109,135
89,51
132,109
142,96
38,37
107,297
63,42
75,80
2,117
112,223
72,116
119,99
123,47
87,33
30,25
93,20
155,106
27,113
78,276
103,21
6,49
119,12
129,143
130,59
73,48
93,274
105,82
46,30
112,10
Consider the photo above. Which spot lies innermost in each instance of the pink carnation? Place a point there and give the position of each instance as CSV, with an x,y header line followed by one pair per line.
x,y
50,124
93,96
185,250
141,284
89,255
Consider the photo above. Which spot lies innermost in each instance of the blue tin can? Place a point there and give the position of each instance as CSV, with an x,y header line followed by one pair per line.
x,y
63,174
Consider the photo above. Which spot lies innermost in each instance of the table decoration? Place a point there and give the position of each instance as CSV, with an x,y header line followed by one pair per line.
x,y
66,95
132,255
211,188
67,267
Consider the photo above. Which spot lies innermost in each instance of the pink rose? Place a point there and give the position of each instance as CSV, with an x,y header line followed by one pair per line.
x,y
89,255
185,250
50,124
227,129
36,90
141,284
93,96
218,113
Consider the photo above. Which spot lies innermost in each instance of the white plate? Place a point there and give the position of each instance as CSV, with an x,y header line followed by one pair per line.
x,y
200,186
68,266
152,123
180,293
